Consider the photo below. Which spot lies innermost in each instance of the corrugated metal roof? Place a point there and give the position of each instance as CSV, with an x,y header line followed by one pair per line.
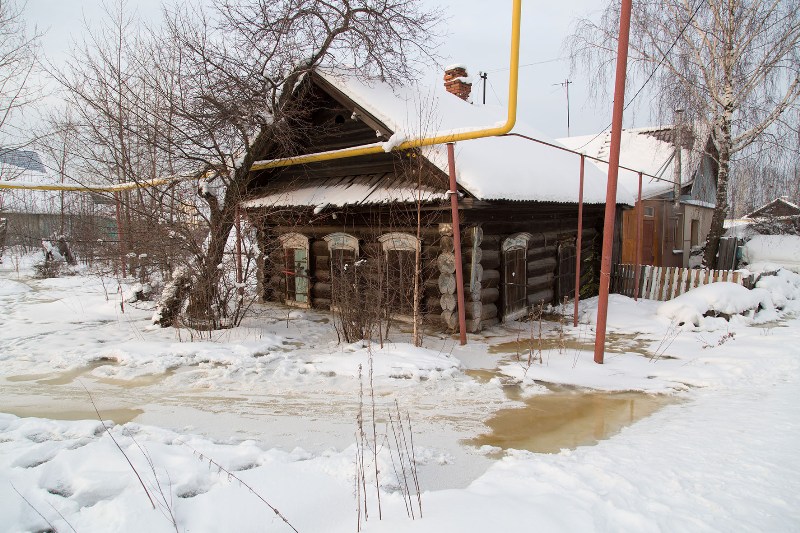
x,y
368,189
24,159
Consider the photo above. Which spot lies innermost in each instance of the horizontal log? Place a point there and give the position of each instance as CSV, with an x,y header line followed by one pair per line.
x,y
537,283
490,278
472,235
431,252
542,265
432,304
323,274
450,319
321,303
447,302
490,258
446,263
473,325
478,273
491,240
321,290
447,283
468,252
319,247
487,296
488,323
537,297
479,310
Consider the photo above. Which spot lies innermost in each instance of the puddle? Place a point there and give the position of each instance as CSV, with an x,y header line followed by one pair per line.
x,y
121,415
567,418
61,378
138,381
615,343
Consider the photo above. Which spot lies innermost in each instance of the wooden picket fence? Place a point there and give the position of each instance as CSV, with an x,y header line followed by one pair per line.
x,y
665,283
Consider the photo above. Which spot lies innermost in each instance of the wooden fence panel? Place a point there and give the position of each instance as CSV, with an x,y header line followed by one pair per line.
x,y
666,283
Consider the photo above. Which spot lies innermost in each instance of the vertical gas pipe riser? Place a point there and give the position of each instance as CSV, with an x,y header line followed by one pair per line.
x,y
578,248
611,189
639,236
462,312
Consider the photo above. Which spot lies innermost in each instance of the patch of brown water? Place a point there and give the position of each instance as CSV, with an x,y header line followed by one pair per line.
x,y
120,415
567,418
61,378
615,343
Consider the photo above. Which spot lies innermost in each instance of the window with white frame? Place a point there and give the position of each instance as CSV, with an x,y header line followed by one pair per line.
x,y
400,250
295,268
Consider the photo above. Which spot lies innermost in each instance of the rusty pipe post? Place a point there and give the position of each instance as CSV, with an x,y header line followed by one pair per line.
x,y
639,232
578,249
462,312
611,187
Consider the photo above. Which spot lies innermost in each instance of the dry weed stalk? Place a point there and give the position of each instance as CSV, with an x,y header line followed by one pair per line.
x,y
407,460
666,341
231,475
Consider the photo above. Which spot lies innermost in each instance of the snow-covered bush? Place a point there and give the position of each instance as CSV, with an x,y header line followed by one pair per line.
x,y
715,299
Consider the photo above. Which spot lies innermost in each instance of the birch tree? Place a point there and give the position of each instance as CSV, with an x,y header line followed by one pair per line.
x,y
730,64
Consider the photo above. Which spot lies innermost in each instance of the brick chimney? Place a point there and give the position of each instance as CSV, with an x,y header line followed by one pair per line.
x,y
457,82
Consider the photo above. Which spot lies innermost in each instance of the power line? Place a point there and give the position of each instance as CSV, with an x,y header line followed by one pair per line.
x,y
529,64
653,73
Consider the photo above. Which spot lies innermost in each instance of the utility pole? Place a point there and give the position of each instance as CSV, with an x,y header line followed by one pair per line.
x,y
611,186
566,84
483,76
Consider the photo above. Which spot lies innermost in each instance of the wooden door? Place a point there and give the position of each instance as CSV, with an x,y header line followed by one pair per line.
x,y
648,231
515,280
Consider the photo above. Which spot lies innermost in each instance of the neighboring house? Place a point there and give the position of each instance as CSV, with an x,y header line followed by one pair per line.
x,y
669,233
34,215
517,204
779,207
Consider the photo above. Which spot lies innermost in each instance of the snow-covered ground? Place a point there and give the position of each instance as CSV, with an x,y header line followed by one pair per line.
x,y
272,407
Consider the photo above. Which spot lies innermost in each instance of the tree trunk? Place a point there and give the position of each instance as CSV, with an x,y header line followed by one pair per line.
x,y
721,209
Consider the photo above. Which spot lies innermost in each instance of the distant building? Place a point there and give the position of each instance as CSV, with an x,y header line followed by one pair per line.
x,y
33,215
669,231
779,207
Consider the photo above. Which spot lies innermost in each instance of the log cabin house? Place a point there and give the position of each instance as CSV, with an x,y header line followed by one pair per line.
x,y
669,231
517,204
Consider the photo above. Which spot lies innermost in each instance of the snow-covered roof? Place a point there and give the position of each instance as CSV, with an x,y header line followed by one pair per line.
x,y
649,150
493,168
777,202
349,190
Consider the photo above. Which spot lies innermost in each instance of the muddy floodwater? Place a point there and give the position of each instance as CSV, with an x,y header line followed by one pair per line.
x,y
567,418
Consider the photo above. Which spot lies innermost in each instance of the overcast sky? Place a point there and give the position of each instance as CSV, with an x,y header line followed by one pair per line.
x,y
478,36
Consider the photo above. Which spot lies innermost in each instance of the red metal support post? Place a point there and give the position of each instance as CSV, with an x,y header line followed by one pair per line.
x,y
611,188
462,312
578,245
639,232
